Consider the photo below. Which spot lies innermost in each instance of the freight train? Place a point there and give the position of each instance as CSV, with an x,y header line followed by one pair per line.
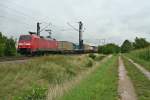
x,y
33,44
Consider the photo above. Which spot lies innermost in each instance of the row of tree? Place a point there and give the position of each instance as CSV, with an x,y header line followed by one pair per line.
x,y
7,46
126,47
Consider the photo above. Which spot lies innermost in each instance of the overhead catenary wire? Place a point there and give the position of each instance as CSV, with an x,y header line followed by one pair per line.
x,y
15,20
6,17
45,27
20,13
72,26
16,4
60,28
15,13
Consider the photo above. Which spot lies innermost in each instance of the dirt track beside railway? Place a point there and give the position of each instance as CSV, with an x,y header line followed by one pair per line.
x,y
141,68
125,88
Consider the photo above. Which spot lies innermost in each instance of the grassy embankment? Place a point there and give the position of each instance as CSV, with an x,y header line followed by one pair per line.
x,y
142,57
140,82
31,79
100,85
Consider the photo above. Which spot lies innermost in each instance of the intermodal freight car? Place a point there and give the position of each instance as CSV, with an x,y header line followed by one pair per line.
x,y
66,46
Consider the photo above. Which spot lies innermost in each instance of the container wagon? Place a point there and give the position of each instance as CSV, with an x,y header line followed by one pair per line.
x,y
66,47
87,48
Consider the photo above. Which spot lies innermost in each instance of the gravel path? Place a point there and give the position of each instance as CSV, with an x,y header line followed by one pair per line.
x,y
125,88
144,71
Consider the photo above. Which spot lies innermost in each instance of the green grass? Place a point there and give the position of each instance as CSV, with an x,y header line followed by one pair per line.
x,y
141,56
140,82
21,80
100,85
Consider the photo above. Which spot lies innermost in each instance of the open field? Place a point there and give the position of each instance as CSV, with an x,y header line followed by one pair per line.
x,y
100,85
69,77
140,82
18,80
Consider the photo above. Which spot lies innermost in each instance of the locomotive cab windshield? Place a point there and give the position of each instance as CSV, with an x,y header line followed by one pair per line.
x,y
25,38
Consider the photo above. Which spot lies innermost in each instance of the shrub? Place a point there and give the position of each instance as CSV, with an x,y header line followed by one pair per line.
x,y
10,49
140,43
126,46
7,46
89,63
99,57
92,55
36,93
109,49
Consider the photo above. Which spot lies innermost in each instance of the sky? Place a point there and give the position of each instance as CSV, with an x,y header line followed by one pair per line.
x,y
104,21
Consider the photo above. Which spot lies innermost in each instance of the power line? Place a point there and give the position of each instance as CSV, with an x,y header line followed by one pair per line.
x,y
20,13
25,19
16,4
14,20
96,41
57,28
45,27
72,26
17,12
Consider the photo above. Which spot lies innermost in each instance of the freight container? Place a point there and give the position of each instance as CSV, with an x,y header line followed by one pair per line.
x,y
95,48
66,46
87,47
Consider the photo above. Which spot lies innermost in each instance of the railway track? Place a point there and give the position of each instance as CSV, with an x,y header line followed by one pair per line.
x,y
24,58
10,59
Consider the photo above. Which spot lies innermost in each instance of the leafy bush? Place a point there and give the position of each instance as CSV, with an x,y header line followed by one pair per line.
x,y
10,49
89,63
92,55
2,44
36,93
140,43
109,48
126,46
7,46
99,57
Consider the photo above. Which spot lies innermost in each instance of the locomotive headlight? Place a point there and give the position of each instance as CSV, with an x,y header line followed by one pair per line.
x,y
20,44
27,44
24,44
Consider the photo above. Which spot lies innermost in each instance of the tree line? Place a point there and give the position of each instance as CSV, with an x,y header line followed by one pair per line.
x,y
126,47
7,46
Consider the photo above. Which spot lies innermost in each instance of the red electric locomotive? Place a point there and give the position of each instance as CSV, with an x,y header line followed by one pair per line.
x,y
32,44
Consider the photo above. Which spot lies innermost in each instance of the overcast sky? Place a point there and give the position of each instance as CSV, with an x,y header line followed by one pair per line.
x,y
113,20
